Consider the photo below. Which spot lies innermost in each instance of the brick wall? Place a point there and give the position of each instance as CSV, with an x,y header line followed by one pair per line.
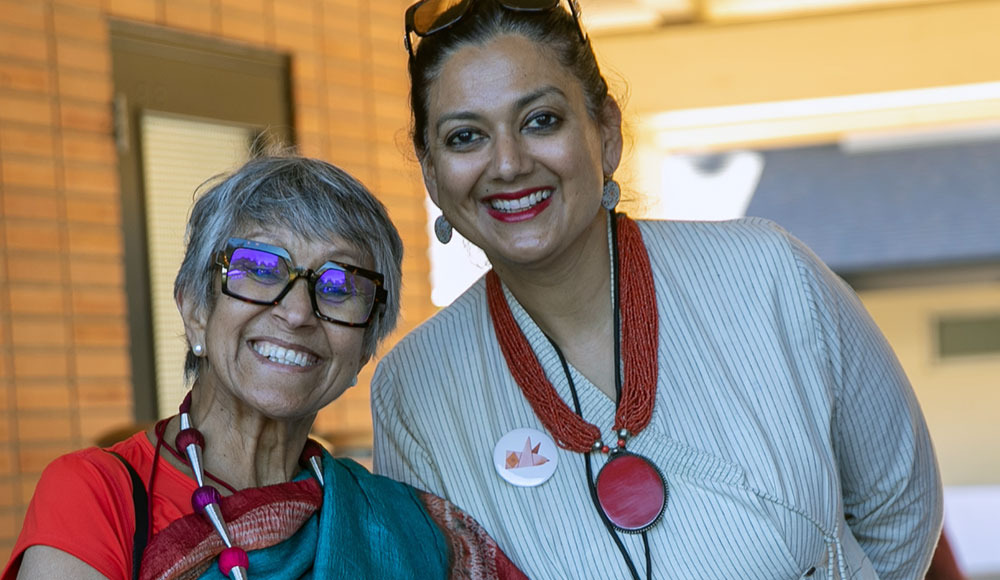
x,y
64,346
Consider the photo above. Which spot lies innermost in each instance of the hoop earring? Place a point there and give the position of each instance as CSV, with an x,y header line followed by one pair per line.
x,y
611,195
198,349
442,229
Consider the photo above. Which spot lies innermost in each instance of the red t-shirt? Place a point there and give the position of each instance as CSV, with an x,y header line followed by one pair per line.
x,y
83,506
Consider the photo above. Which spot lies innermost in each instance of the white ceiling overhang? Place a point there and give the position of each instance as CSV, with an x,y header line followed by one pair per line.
x,y
631,15
635,14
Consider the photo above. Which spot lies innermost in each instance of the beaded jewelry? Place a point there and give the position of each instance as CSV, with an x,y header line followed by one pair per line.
x,y
442,229
233,561
611,194
630,492
639,335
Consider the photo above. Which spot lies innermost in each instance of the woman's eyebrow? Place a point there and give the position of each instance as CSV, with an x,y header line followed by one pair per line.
x,y
456,116
518,105
536,95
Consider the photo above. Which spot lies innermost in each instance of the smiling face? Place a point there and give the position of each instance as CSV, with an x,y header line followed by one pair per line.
x,y
514,160
281,361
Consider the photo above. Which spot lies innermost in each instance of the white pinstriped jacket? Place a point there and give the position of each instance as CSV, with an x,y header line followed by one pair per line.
x,y
791,441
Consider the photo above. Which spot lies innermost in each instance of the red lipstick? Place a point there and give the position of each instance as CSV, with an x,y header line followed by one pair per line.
x,y
519,215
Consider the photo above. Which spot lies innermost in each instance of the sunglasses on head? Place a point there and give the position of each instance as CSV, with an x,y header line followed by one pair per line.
x,y
428,17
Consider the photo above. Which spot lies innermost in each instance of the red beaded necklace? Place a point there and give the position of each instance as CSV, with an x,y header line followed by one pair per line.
x,y
639,338
629,492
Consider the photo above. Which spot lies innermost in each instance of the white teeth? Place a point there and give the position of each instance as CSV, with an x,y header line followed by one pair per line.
x,y
285,356
520,204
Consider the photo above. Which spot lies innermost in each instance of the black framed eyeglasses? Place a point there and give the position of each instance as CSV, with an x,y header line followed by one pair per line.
x,y
259,273
428,17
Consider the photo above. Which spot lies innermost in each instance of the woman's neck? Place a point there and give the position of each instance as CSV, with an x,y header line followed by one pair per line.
x,y
570,301
568,291
242,447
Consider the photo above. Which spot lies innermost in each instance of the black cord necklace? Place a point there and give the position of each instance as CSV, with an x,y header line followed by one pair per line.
x,y
618,393
593,487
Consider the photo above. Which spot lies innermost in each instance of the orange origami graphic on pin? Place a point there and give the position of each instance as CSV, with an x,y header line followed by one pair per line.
x,y
527,457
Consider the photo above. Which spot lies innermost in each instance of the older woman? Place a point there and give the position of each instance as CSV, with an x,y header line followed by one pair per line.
x,y
290,280
619,399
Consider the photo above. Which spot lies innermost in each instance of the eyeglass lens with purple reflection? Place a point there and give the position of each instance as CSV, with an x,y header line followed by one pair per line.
x,y
259,273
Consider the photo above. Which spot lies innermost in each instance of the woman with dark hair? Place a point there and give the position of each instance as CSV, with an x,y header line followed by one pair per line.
x,y
232,486
621,399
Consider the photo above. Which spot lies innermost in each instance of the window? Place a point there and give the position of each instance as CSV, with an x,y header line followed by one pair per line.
x,y
187,108
968,336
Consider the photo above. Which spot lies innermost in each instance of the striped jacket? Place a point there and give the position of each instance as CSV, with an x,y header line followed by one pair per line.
x,y
790,439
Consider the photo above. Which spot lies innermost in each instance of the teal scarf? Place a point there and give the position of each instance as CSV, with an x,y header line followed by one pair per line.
x,y
368,527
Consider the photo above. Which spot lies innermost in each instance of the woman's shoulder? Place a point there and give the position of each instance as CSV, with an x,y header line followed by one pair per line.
x,y
379,488
734,245
91,462
90,476
745,230
723,259
426,521
82,506
101,467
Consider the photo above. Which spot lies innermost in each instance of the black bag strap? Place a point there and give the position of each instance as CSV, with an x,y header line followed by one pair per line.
x,y
141,502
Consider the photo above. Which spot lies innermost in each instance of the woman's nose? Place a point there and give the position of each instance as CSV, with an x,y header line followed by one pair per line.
x,y
509,157
296,307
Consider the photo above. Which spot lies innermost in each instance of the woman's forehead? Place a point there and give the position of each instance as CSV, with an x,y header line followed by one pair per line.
x,y
303,245
506,67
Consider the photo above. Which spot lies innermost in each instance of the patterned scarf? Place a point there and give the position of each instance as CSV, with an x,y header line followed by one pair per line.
x,y
358,525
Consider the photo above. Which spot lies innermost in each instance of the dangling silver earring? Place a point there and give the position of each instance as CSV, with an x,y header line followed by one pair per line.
x,y
442,229
612,193
198,349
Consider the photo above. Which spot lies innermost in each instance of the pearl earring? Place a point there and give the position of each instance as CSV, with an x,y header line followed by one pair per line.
x,y
198,349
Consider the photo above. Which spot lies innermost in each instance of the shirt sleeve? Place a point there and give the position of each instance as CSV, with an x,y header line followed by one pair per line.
x,y
889,475
82,505
398,451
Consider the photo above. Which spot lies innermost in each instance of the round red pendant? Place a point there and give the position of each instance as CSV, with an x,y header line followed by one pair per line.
x,y
632,492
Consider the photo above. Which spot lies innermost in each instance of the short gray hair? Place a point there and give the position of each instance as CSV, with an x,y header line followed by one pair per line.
x,y
309,197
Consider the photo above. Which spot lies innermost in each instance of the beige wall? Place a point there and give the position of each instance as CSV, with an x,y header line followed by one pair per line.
x,y
960,396
861,52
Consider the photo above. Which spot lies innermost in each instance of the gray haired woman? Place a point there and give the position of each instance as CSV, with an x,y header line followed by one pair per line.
x,y
232,486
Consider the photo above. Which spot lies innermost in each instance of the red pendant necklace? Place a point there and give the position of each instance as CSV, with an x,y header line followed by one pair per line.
x,y
630,490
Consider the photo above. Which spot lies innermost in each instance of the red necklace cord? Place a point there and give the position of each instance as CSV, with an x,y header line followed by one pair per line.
x,y
640,326
639,340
